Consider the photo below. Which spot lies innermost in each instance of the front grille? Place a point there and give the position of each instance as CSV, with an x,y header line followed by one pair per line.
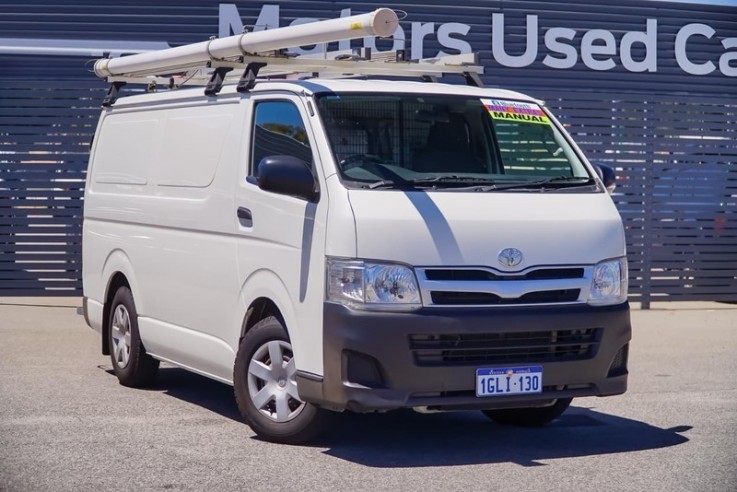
x,y
450,298
504,348
439,274
484,286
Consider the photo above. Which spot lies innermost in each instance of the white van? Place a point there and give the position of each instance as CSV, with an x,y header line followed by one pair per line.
x,y
327,245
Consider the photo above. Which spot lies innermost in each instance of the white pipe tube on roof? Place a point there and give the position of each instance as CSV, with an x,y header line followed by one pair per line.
x,y
381,22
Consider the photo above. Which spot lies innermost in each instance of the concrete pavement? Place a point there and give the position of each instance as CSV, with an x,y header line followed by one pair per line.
x,y
66,424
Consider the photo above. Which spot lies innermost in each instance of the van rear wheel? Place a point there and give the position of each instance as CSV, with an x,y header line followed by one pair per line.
x,y
265,387
529,417
131,364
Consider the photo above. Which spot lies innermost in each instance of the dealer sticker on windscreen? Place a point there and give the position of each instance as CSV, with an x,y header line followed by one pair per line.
x,y
516,111
502,381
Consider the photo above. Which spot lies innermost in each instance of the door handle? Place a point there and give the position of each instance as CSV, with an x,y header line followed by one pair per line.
x,y
245,217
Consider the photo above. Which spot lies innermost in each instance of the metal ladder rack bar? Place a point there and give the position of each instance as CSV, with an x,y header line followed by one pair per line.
x,y
381,22
263,54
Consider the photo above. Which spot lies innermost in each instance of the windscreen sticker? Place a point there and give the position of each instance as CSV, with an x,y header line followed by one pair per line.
x,y
500,109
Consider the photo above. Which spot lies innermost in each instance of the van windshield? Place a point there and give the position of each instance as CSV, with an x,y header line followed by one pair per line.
x,y
440,141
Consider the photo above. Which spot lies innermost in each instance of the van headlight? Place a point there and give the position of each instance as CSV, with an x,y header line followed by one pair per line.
x,y
366,285
609,283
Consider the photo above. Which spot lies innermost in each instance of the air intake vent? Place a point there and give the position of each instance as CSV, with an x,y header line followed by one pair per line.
x,y
619,364
504,348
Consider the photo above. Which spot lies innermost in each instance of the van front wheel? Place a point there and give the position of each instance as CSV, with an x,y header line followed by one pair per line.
x,y
265,386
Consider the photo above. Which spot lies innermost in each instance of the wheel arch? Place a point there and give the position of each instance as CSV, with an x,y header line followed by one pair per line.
x,y
117,272
264,294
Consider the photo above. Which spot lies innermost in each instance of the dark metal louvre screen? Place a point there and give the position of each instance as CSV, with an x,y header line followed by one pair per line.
x,y
45,130
670,135
677,187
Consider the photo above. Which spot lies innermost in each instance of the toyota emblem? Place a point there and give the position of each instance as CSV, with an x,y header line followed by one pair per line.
x,y
510,257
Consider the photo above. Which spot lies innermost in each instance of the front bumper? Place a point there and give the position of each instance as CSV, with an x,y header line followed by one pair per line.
x,y
369,363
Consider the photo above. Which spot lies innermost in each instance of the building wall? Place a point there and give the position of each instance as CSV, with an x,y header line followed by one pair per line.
x,y
646,86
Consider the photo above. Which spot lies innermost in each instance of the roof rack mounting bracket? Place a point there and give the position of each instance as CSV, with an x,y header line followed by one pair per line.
x,y
112,94
473,79
216,81
248,79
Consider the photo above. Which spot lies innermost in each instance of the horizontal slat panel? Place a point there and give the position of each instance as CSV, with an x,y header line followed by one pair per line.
x,y
22,231
47,260
69,169
653,127
12,221
68,214
45,202
40,291
38,284
52,276
41,247
23,116
71,120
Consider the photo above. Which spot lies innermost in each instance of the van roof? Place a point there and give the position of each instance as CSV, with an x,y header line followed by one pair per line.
x,y
317,85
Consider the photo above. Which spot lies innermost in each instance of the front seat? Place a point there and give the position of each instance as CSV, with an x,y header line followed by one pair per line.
x,y
448,149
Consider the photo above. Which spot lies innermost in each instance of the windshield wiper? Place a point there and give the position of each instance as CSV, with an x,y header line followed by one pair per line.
x,y
428,182
541,184
488,184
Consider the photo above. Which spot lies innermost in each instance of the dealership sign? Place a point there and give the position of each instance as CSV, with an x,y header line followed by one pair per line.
x,y
564,48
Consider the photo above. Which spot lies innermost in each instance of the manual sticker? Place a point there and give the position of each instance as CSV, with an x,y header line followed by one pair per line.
x,y
500,109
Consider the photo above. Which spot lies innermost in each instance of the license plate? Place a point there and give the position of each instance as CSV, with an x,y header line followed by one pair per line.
x,y
500,381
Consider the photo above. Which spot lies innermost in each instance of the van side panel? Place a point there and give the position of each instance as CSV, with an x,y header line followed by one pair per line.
x,y
161,193
120,163
192,349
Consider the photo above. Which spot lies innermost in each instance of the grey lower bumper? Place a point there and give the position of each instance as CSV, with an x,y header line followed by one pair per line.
x,y
369,364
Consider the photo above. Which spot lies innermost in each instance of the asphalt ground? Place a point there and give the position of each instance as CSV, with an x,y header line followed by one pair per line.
x,y
66,424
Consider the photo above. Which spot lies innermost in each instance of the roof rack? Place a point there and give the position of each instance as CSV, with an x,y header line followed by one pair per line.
x,y
264,54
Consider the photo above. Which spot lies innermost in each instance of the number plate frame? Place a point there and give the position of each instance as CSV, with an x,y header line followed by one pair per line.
x,y
507,381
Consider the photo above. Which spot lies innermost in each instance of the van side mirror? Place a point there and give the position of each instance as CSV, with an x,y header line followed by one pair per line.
x,y
607,176
287,175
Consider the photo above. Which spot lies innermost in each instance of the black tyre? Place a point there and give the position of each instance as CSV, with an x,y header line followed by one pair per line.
x,y
133,366
529,417
266,389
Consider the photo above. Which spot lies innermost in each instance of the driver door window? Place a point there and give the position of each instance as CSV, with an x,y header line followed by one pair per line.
x,y
278,129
